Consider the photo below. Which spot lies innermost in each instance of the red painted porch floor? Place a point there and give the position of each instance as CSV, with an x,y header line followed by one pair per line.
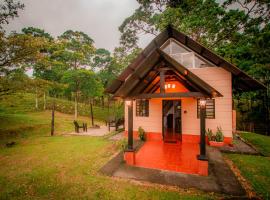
x,y
169,156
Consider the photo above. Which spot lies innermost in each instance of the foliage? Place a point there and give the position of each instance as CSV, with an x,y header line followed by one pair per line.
x,y
141,133
123,144
208,22
19,51
219,135
36,32
209,134
77,49
9,10
83,81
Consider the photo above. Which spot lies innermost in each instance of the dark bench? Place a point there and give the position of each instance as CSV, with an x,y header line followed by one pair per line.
x,y
77,127
115,123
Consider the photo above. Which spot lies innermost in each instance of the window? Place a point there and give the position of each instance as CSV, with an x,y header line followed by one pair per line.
x,y
184,55
210,109
142,108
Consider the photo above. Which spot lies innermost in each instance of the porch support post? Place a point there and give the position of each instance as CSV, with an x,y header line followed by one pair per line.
x,y
202,155
130,125
162,81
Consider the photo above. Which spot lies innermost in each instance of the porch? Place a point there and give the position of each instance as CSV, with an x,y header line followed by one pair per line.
x,y
178,157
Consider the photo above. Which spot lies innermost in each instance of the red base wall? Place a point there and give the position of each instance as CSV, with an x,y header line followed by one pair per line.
x,y
186,138
129,157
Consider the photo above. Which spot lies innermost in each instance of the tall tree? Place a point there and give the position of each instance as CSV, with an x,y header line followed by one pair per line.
x,y
9,10
77,49
81,81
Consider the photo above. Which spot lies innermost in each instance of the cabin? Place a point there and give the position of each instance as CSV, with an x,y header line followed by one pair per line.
x,y
175,90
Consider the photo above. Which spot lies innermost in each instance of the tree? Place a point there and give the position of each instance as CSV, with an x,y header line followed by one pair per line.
x,y
19,51
37,32
208,22
9,10
77,49
102,59
81,81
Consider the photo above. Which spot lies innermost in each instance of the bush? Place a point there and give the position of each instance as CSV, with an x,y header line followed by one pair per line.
x,y
141,134
219,135
209,134
123,144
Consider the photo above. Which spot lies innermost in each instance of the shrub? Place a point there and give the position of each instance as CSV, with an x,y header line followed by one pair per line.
x,y
124,144
209,134
219,135
141,134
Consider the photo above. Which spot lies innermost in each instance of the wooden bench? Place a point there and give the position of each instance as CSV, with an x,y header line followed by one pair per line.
x,y
77,127
115,123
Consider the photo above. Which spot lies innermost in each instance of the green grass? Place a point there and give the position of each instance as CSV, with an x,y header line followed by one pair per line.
x,y
66,167
261,142
25,102
256,169
39,166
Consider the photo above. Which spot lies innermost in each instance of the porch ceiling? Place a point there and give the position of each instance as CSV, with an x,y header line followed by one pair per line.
x,y
145,79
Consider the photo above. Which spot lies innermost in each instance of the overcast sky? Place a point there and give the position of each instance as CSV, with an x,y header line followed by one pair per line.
x,y
100,19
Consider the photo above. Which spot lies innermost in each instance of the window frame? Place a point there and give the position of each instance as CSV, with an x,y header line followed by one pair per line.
x,y
142,107
210,109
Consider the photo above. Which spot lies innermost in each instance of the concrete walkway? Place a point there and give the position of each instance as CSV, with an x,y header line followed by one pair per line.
x,y
118,136
240,147
220,180
103,130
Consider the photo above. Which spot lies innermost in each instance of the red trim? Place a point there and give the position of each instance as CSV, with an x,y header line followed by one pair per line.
x,y
216,144
186,138
228,140
149,135
203,168
129,157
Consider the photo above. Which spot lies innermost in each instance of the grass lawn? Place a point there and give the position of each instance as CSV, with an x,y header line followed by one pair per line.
x,y
256,169
261,142
39,166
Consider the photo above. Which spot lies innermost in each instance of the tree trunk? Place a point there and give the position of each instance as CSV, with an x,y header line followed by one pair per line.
x,y
102,101
52,124
44,99
76,105
92,115
36,99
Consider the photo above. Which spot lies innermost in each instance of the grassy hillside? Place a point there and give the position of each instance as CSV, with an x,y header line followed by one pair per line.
x,y
19,118
25,102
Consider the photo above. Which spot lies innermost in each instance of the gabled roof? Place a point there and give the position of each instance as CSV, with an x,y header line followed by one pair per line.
x,y
151,55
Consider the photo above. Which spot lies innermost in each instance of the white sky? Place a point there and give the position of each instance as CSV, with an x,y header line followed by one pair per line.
x,y
99,19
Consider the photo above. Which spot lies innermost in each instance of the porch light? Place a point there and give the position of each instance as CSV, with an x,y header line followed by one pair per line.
x,y
128,102
202,102
173,86
166,86
169,85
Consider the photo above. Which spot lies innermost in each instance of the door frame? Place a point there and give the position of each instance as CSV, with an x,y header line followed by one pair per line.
x,y
163,127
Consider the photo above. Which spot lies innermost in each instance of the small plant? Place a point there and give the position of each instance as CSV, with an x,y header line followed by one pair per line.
x,y
141,134
219,135
209,134
123,144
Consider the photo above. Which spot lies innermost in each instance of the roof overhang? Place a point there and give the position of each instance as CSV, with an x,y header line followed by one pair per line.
x,y
152,53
